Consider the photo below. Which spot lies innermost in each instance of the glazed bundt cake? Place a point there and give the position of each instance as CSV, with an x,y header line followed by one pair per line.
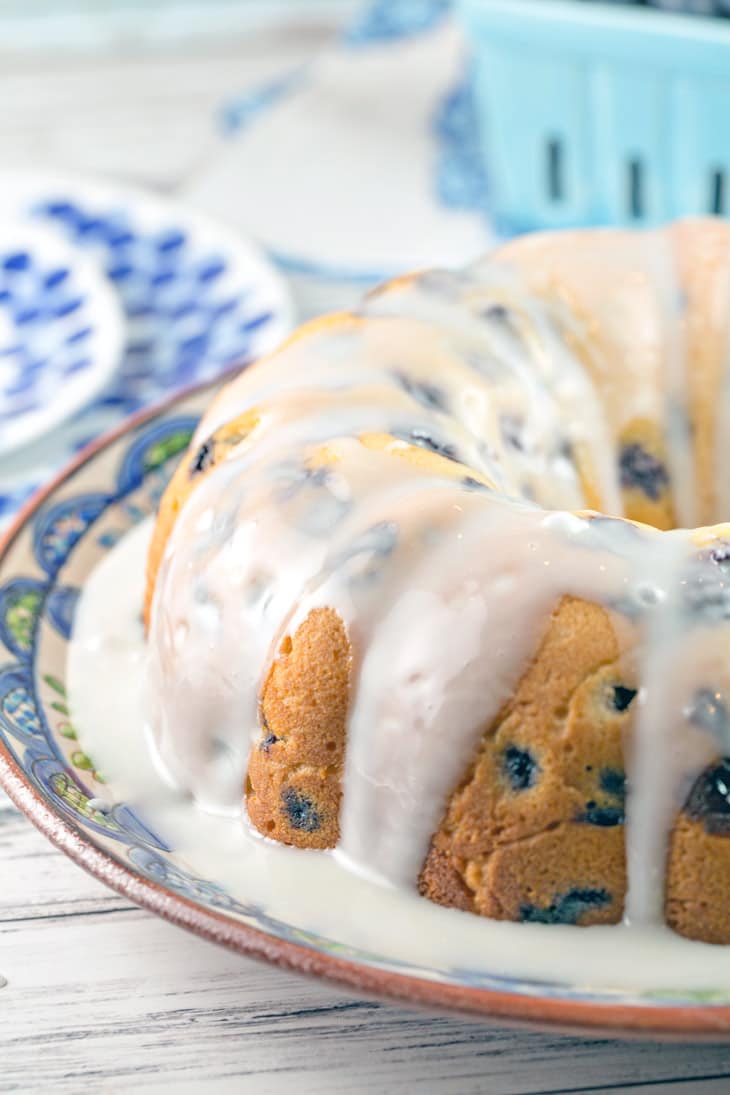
x,y
431,587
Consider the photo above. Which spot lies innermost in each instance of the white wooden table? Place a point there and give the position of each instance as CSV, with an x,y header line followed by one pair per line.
x,y
97,995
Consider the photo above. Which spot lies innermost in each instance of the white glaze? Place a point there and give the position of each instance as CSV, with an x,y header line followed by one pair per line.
x,y
444,616
719,466
658,252
312,890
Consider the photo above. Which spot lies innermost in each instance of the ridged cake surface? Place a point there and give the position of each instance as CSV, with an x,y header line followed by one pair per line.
x,y
438,585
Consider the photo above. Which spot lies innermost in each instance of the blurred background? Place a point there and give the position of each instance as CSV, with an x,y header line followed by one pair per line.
x,y
348,140
324,128
136,89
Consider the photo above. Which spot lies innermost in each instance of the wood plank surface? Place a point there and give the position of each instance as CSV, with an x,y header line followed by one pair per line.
x,y
102,996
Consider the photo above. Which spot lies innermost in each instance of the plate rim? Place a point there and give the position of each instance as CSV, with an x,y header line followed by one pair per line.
x,y
703,1022
105,365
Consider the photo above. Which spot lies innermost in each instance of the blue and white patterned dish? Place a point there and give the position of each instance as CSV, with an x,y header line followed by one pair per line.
x,y
60,332
196,299
44,562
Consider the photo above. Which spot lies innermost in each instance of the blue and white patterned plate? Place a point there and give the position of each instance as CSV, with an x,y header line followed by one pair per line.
x,y
196,297
44,562
60,332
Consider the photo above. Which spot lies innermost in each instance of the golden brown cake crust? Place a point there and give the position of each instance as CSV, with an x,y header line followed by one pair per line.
x,y
535,829
295,770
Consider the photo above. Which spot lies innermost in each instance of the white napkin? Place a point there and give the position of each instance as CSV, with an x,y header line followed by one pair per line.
x,y
363,165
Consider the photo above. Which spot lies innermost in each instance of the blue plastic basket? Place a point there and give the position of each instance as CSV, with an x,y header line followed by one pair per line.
x,y
600,114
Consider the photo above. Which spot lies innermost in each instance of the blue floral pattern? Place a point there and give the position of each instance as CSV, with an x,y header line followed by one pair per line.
x,y
179,305
461,181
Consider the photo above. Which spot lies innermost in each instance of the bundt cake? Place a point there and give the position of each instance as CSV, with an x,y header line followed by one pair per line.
x,y
431,587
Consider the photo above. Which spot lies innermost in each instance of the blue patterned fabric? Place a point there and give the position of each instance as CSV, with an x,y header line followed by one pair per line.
x,y
392,20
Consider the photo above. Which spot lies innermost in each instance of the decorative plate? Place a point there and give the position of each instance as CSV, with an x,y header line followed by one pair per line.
x,y
44,561
60,333
196,298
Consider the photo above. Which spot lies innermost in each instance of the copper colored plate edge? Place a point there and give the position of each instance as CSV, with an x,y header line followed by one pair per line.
x,y
704,1022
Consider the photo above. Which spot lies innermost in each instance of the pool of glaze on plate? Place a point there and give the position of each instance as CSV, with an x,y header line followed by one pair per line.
x,y
310,890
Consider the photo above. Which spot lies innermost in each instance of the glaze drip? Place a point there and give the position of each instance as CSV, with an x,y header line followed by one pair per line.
x,y
428,468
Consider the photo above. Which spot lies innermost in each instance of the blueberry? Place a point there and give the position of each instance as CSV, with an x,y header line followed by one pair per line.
x,y
720,554
520,767
707,711
566,450
318,477
293,477
497,313
706,584
640,470
512,428
317,497
566,908
361,559
621,697
706,595
219,748
421,437
603,816
709,799
470,483
268,741
613,782
300,811
426,394
203,458
380,539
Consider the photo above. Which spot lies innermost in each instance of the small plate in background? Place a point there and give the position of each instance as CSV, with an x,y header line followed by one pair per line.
x,y
196,297
60,333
